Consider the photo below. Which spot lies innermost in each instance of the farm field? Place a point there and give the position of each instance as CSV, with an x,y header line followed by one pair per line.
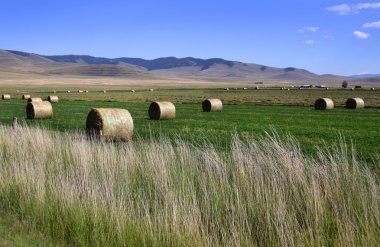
x,y
249,113
190,181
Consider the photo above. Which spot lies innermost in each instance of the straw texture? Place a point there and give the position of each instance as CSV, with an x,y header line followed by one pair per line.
x,y
324,104
211,105
110,124
53,98
161,110
34,100
26,96
6,96
39,110
355,103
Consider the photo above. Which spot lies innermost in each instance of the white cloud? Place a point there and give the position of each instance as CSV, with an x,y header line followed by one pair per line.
x,y
345,9
361,35
309,29
375,24
310,42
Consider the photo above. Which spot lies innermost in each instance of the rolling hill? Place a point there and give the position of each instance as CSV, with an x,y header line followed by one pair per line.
x,y
189,67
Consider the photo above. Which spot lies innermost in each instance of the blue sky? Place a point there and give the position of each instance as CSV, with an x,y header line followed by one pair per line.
x,y
339,37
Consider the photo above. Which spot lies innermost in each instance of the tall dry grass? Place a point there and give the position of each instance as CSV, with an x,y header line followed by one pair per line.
x,y
159,193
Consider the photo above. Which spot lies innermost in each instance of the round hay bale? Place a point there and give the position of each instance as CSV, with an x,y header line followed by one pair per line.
x,y
372,89
324,104
161,110
80,91
6,96
288,89
352,89
53,98
25,96
86,91
39,110
109,123
245,88
68,91
211,105
104,91
34,100
133,91
151,89
226,89
355,103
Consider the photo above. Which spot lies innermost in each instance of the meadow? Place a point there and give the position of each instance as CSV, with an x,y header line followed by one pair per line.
x,y
244,113
268,170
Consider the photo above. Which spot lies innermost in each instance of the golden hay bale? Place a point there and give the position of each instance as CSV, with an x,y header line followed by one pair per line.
x,y
151,89
109,123
372,89
210,105
324,104
161,110
355,103
226,88
133,91
352,89
34,100
86,91
53,98
104,91
39,110
68,91
245,88
6,96
80,91
25,96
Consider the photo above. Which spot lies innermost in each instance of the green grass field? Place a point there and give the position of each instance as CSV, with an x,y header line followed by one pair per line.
x,y
256,190
310,127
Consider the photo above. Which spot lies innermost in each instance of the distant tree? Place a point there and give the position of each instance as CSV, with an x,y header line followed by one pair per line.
x,y
344,84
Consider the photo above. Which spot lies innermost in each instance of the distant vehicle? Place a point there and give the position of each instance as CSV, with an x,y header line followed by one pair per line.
x,y
306,86
320,86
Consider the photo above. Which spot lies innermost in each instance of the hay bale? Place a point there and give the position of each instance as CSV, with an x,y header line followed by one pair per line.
x,y
151,89
355,103
68,91
211,105
104,91
226,88
6,96
352,89
34,100
109,123
86,91
372,89
39,110
133,91
245,88
161,110
324,104
52,98
25,96
80,91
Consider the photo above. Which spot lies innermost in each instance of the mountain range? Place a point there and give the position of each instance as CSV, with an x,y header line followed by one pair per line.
x,y
193,68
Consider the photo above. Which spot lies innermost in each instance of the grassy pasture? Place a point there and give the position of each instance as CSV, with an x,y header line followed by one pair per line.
x,y
295,97
248,113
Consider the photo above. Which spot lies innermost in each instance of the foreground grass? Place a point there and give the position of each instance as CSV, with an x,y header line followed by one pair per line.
x,y
261,192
